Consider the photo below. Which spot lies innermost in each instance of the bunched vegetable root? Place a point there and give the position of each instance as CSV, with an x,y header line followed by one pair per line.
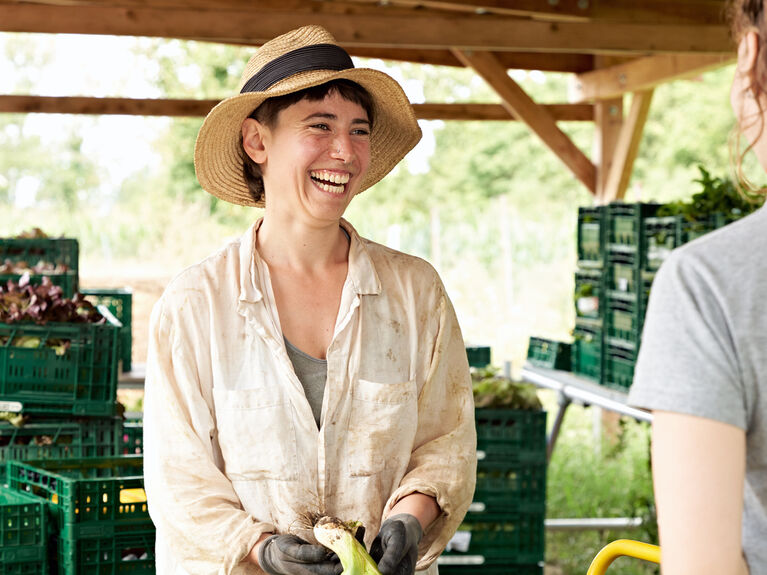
x,y
338,536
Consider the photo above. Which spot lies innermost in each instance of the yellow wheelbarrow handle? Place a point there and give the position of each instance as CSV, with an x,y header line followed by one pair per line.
x,y
612,551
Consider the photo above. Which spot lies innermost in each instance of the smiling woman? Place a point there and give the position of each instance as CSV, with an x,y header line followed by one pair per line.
x,y
304,370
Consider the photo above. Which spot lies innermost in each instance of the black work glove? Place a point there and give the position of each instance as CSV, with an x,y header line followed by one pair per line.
x,y
291,555
395,548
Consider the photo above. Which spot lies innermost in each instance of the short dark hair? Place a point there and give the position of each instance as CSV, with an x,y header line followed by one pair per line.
x,y
270,108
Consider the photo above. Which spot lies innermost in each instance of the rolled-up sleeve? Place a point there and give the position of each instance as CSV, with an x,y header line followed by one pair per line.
x,y
191,501
443,463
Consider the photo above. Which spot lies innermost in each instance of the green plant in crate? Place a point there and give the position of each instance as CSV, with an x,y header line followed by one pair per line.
x,y
717,195
494,391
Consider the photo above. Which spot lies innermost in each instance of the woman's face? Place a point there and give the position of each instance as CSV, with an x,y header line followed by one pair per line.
x,y
744,104
315,157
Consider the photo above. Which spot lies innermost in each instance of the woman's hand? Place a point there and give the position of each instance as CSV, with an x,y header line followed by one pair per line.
x,y
291,555
395,548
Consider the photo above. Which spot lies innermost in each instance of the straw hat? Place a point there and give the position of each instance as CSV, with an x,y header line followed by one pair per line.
x,y
302,58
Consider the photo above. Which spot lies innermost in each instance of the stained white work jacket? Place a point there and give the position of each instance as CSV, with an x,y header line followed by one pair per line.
x,y
231,447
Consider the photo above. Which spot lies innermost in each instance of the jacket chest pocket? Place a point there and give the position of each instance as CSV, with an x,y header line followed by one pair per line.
x,y
257,434
382,426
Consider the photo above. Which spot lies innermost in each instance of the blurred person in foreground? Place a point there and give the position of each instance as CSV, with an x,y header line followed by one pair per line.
x,y
304,369
702,366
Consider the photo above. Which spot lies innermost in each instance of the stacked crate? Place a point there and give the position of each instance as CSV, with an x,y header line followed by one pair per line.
x,y
62,398
627,280
503,531
98,511
586,349
23,529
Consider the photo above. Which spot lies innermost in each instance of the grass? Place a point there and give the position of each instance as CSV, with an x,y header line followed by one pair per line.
x,y
605,477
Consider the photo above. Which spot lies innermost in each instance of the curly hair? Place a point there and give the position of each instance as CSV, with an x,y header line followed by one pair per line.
x,y
269,109
744,16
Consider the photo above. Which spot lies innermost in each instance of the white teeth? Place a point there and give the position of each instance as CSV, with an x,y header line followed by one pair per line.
x,y
331,189
332,177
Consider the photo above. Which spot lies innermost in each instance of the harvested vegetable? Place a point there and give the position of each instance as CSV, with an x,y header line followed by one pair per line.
x,y
494,391
338,536
43,303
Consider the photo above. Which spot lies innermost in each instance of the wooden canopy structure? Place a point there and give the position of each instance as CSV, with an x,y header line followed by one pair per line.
x,y
612,48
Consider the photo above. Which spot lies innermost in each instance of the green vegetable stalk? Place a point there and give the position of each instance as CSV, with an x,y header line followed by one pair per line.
x,y
338,536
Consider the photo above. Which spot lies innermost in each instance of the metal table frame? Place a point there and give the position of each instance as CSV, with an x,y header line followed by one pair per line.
x,y
572,388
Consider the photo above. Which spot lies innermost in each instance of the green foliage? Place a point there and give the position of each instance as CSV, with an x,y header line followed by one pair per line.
x,y
491,390
717,196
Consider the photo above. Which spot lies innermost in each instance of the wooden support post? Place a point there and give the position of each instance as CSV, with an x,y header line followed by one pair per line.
x,y
627,147
608,117
521,106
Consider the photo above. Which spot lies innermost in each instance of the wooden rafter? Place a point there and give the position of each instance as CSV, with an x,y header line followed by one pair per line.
x,y
178,107
642,74
645,11
520,105
649,11
416,30
575,63
627,147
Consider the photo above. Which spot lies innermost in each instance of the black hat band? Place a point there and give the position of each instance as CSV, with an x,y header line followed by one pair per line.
x,y
314,57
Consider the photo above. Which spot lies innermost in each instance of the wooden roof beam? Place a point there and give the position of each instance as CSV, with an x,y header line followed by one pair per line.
x,y
404,31
646,11
627,148
520,105
641,74
180,107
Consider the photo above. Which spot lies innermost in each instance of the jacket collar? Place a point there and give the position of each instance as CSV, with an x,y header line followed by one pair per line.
x,y
362,272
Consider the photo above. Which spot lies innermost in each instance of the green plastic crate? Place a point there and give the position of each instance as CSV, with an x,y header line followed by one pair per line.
x,y
589,291
500,538
56,251
620,361
82,381
23,529
506,487
689,230
131,550
472,568
661,237
624,222
26,568
587,350
57,439
132,438
624,318
479,356
549,353
623,271
510,431
88,497
590,236
120,303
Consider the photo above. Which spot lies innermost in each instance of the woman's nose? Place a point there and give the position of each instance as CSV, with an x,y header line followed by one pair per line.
x,y
341,147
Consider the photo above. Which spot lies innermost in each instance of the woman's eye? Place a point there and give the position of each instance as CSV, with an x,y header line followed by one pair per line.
x,y
321,126
361,132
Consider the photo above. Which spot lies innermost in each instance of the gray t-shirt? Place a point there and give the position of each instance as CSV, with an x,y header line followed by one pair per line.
x,y
704,350
312,372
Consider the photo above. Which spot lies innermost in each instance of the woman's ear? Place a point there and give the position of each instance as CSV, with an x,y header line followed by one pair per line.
x,y
253,140
748,50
